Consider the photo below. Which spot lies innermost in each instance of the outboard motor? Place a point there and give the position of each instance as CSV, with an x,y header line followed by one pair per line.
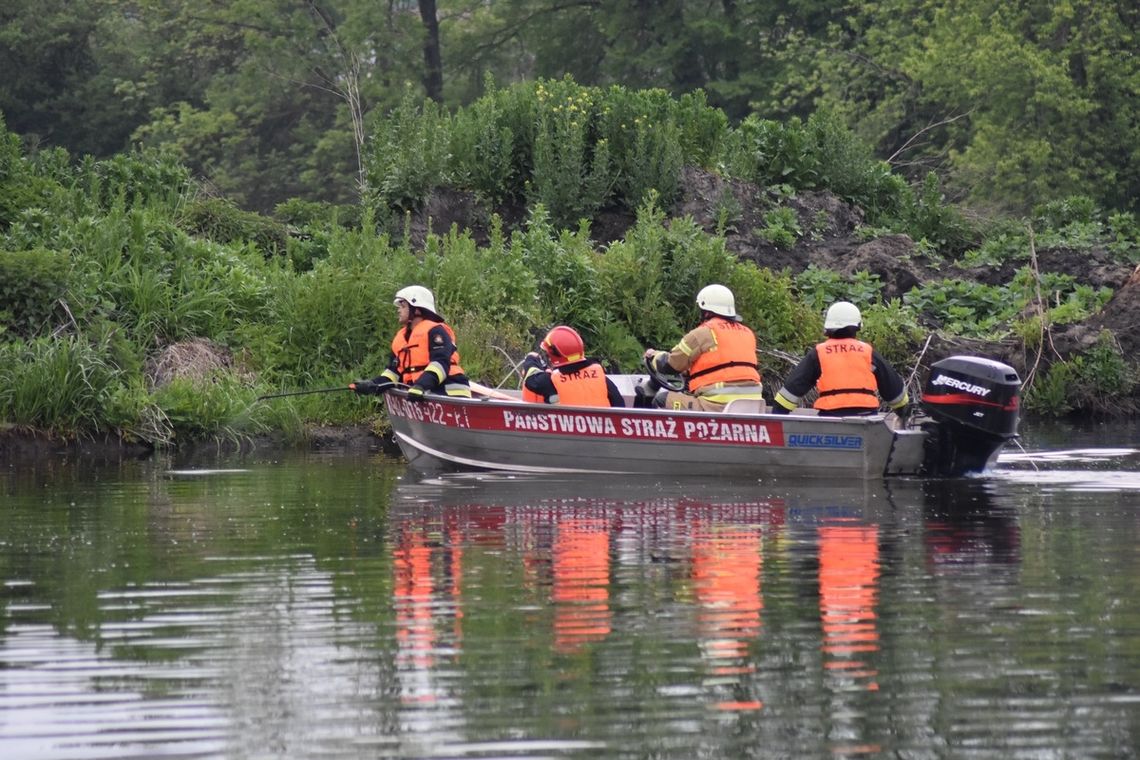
x,y
973,408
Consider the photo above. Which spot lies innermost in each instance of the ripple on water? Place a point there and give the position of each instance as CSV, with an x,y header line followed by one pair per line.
x,y
1078,469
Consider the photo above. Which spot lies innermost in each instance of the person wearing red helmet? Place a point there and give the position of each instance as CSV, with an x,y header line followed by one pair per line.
x,y
424,355
568,376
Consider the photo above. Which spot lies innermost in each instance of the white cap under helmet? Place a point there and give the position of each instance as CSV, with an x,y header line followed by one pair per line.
x,y
417,296
842,314
718,299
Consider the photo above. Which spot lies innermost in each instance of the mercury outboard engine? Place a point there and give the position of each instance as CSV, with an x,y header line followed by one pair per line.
x,y
973,408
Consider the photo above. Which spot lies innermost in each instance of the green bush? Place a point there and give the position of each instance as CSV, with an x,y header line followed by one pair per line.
x,y
770,153
1098,381
927,216
574,175
467,278
137,178
221,408
565,270
62,385
819,288
1048,394
1004,242
767,302
1056,215
782,227
301,213
632,284
162,285
1065,300
893,329
221,221
335,318
491,142
821,154
32,286
1125,236
650,279
964,308
646,140
407,154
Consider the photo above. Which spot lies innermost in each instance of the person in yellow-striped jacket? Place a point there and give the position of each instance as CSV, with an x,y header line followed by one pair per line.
x,y
424,356
849,374
717,357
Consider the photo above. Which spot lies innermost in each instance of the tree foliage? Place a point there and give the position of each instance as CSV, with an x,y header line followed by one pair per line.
x,y
1013,104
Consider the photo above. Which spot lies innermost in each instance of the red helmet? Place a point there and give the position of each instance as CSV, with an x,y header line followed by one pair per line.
x,y
564,345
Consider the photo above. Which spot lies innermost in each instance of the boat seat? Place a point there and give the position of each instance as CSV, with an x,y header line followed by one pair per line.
x,y
746,406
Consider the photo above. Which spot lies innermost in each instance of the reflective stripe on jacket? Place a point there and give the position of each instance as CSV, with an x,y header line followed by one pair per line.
x,y
733,359
585,387
846,376
413,354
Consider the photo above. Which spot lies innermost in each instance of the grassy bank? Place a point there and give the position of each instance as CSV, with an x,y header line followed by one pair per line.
x,y
110,270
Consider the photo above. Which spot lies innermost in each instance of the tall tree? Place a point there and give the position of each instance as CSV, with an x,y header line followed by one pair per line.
x,y
433,57
54,88
293,81
1017,102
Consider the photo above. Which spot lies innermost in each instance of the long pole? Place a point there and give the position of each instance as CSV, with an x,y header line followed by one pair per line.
x,y
303,393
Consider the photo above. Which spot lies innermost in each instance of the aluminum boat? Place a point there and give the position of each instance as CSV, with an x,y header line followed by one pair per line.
x,y
968,412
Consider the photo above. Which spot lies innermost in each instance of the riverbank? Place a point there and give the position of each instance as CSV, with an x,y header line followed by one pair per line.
x,y
22,447
18,447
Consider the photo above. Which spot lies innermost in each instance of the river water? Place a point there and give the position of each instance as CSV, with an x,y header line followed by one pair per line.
x,y
336,606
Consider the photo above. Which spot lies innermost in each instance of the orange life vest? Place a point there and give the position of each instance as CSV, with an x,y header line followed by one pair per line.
x,y
733,359
585,387
413,353
531,397
846,377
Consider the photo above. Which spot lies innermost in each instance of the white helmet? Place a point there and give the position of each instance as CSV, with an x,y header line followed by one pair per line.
x,y
416,296
718,299
842,314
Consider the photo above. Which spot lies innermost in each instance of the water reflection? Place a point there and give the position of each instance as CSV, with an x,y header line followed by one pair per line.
x,y
580,583
967,527
343,610
580,543
848,594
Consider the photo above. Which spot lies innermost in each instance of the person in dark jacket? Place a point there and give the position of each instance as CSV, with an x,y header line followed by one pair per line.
x,y
423,354
567,376
849,374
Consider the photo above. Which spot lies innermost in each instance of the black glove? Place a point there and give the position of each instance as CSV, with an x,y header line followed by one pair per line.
x,y
416,393
372,387
363,387
533,360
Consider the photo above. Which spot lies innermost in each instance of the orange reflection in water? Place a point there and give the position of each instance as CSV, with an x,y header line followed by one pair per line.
x,y
726,571
412,595
848,593
726,578
580,591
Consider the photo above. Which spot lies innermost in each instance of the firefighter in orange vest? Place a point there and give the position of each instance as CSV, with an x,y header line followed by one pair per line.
x,y
424,355
572,378
849,374
718,358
